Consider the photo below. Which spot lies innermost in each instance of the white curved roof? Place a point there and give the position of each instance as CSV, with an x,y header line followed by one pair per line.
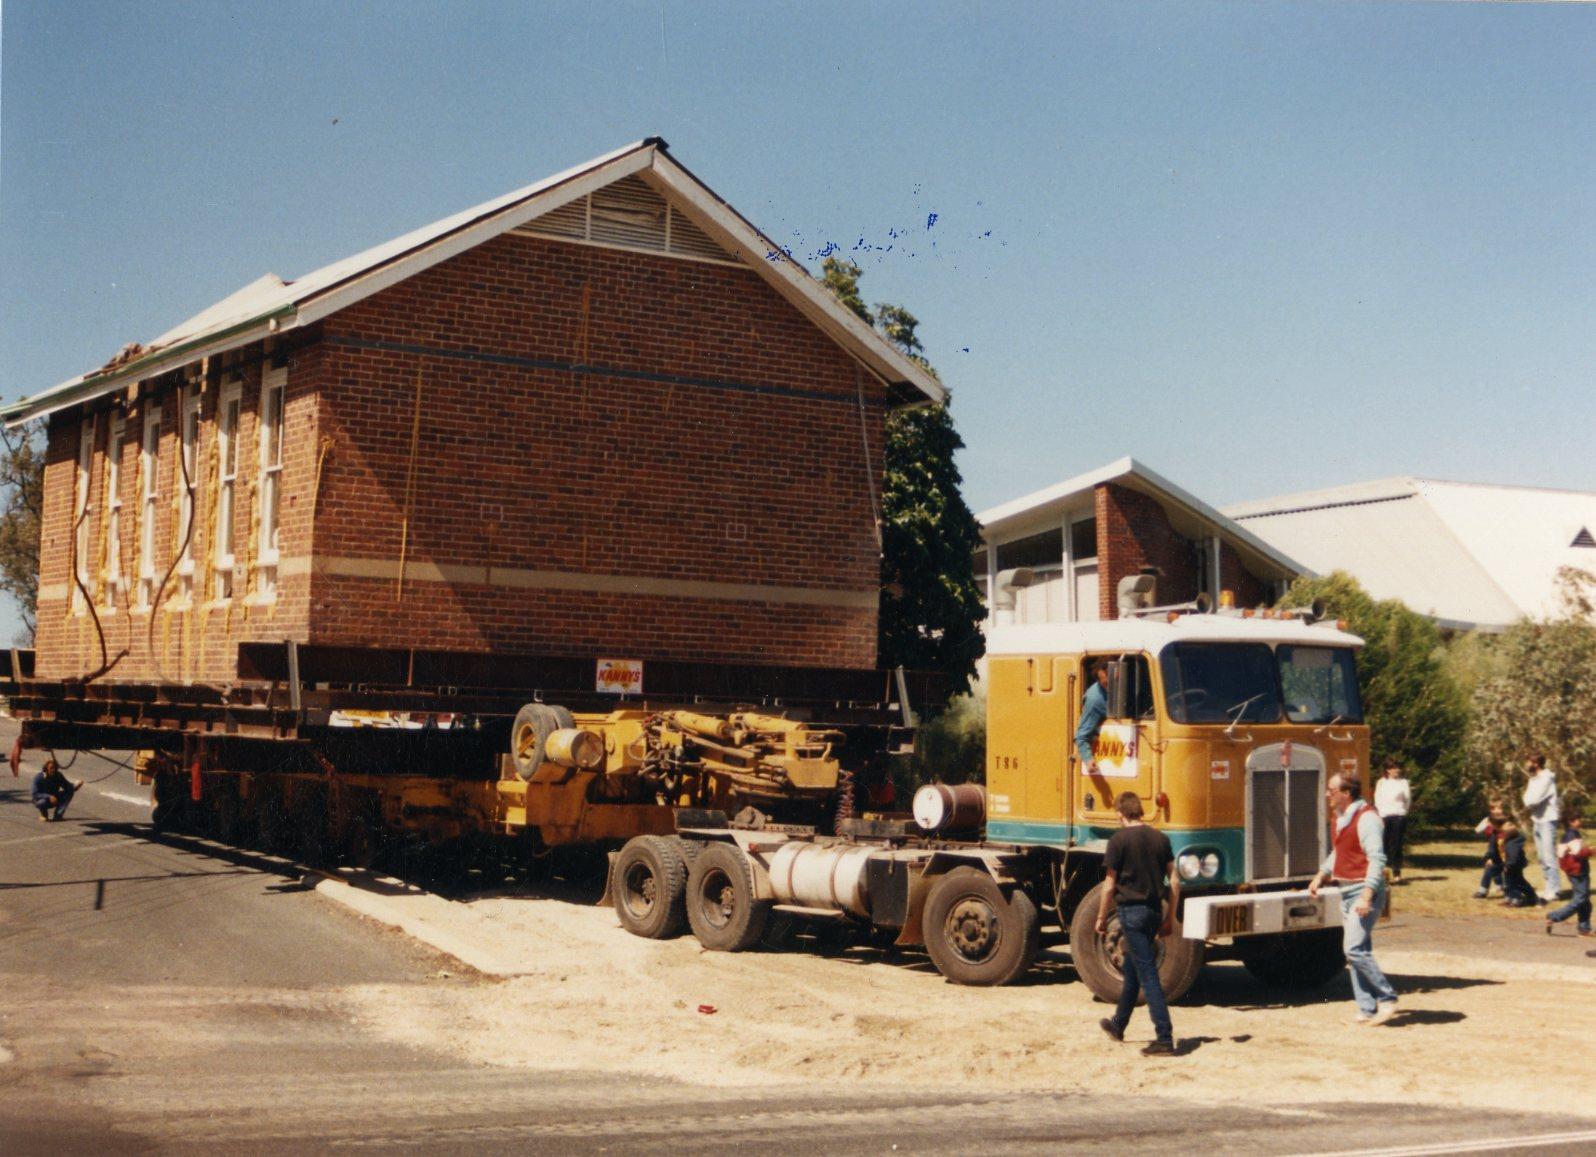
x,y
1153,635
1466,554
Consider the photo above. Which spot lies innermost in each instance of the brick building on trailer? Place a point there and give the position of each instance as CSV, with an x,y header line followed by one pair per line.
x,y
1075,541
601,414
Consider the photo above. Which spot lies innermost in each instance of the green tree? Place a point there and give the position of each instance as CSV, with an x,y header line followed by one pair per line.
x,y
1540,697
21,509
931,607
1415,711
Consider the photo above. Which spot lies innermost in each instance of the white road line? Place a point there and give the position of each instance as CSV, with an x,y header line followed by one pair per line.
x,y
1489,1144
142,801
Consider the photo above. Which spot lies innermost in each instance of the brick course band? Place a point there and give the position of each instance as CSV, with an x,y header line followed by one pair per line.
x,y
472,355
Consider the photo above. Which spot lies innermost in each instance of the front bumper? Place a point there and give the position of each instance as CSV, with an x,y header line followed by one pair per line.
x,y
1259,914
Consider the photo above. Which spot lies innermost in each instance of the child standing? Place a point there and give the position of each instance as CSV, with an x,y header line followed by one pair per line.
x,y
1491,828
1574,858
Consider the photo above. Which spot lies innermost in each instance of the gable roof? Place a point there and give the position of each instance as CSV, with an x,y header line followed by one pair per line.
x,y
1191,516
1470,555
271,305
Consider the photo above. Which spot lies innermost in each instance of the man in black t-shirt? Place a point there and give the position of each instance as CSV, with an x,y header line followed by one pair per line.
x,y
1138,861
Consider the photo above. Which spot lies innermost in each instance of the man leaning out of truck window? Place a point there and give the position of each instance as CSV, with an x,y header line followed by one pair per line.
x,y
1094,709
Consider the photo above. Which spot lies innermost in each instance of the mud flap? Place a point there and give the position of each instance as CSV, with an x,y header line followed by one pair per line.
x,y
608,899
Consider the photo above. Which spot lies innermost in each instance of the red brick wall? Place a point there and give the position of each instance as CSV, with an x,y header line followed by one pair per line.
x,y
1251,591
1132,532
721,444
752,474
197,639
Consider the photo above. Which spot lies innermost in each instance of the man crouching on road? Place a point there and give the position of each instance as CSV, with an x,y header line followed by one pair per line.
x,y
1138,860
1357,865
51,789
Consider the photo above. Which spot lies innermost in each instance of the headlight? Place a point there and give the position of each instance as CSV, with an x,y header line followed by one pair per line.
x,y
1210,865
1189,866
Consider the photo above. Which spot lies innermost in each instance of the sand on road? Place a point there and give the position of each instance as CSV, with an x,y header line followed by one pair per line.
x,y
1473,1032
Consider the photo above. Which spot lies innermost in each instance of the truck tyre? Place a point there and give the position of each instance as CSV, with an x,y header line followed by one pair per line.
x,y
1299,961
651,887
167,801
533,725
721,906
977,935
1098,959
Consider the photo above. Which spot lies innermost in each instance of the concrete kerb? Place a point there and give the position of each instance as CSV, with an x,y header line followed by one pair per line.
x,y
451,928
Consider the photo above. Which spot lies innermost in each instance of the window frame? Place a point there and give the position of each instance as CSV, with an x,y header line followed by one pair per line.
x,y
115,440
83,510
273,386
229,413
149,497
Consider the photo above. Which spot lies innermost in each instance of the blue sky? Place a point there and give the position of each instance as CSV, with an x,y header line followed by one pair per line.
x,y
1264,247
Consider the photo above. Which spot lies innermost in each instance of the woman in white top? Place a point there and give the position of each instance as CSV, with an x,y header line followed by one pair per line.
x,y
1392,798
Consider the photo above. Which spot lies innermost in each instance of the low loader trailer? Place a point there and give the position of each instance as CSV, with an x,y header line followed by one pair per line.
x,y
726,795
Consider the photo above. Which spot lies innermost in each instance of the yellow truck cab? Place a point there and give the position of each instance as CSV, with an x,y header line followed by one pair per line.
x,y
1227,725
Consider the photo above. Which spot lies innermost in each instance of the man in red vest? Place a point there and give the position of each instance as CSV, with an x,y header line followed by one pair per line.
x,y
1356,864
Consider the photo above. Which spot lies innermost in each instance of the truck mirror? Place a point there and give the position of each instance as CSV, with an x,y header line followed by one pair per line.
x,y
1119,690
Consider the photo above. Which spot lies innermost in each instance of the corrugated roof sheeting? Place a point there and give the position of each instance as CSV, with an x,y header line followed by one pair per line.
x,y
1468,554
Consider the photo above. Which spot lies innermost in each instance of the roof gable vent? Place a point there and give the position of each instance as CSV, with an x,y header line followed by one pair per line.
x,y
629,214
1584,538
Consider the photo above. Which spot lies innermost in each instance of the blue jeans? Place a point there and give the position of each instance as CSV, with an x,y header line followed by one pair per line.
x,y
1138,925
1369,985
1492,875
1580,903
1546,850
62,799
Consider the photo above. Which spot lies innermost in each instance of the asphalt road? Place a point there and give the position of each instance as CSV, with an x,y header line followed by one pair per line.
x,y
165,994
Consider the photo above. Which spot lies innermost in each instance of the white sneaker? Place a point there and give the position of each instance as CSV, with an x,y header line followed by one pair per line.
x,y
1363,1018
1383,1012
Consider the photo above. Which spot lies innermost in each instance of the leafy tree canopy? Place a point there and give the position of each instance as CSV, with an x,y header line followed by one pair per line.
x,y
1540,697
931,607
1415,711
21,509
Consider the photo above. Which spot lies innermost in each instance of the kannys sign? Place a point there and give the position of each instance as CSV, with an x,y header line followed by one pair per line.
x,y
1115,750
619,676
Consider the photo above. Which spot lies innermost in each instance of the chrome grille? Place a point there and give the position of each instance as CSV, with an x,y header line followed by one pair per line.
x,y
1285,814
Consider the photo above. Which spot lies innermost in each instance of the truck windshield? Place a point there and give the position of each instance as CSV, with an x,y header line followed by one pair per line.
x,y
1321,684
1221,683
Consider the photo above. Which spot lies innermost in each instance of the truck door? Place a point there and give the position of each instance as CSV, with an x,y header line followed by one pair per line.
x,y
1125,759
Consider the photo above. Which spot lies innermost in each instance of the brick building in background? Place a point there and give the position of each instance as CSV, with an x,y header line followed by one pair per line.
x,y
1078,539
602,414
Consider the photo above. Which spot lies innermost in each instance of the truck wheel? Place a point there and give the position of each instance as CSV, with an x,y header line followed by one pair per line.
x,y
977,935
1099,959
721,906
166,803
362,843
651,887
533,725
1299,961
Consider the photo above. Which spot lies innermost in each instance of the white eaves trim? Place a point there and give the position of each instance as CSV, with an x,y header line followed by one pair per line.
x,y
790,279
1043,504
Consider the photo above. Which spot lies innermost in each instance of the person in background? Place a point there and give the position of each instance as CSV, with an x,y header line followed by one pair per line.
x,y
52,790
1540,800
1515,887
1574,859
1140,866
1094,709
1491,828
1392,798
1357,866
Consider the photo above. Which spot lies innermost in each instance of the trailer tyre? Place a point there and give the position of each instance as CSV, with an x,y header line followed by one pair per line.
x,y
1300,961
650,887
1098,959
724,913
977,935
533,725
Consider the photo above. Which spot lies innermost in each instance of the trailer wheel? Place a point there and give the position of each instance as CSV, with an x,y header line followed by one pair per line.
x,y
1299,961
721,906
651,887
1099,959
362,843
977,935
533,725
